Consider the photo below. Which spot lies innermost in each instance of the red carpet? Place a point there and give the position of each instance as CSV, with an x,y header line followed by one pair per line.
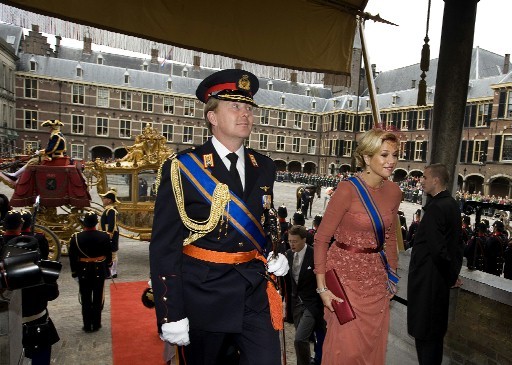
x,y
134,337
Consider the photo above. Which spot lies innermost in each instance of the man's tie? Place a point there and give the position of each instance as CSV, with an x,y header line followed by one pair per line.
x,y
233,157
296,267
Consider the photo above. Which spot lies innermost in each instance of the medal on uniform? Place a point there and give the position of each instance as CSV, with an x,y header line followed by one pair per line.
x,y
208,160
266,201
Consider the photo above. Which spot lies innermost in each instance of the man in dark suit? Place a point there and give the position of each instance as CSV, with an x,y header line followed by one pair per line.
x,y
434,268
90,256
306,303
208,245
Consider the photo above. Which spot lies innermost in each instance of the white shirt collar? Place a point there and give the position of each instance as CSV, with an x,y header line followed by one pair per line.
x,y
223,151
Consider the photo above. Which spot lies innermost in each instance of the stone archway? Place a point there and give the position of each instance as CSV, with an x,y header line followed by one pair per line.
x,y
309,167
344,168
399,175
101,152
499,186
294,166
475,184
280,165
120,152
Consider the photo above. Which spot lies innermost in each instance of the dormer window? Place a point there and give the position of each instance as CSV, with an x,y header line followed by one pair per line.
x,y
169,83
145,66
350,103
126,77
283,99
394,99
270,85
79,71
336,103
313,104
184,72
99,60
308,91
367,103
33,64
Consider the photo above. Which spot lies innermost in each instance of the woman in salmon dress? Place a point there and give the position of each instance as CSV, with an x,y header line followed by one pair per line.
x,y
364,339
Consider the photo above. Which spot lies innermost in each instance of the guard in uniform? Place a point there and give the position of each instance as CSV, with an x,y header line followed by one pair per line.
x,y
26,229
108,224
89,259
208,251
56,148
39,332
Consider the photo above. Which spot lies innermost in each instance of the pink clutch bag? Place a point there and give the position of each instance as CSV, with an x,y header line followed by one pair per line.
x,y
343,310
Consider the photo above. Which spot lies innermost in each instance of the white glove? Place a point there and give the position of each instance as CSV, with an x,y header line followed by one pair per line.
x,y
176,332
149,283
277,265
38,152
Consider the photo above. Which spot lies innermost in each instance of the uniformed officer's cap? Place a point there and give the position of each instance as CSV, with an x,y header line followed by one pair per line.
x,y
27,218
12,220
229,85
52,123
90,219
111,194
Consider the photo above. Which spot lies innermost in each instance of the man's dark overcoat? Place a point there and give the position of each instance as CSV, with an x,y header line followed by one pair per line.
x,y
305,289
212,296
435,264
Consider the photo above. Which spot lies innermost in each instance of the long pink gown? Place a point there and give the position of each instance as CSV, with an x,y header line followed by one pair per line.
x,y
364,340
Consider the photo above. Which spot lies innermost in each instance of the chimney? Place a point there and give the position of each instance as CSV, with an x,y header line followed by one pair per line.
x,y
154,55
506,64
413,84
58,38
293,77
374,70
238,65
197,62
35,28
87,45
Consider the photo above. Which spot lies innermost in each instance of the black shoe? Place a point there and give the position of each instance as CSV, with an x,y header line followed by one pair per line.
x,y
96,328
87,329
114,276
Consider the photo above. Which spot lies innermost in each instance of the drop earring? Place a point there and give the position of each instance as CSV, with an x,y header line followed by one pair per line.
x,y
368,171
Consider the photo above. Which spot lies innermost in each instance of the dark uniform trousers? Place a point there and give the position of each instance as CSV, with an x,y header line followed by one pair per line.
x,y
89,262
227,305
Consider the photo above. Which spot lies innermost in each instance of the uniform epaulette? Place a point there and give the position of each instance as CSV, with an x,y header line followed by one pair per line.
x,y
250,150
184,152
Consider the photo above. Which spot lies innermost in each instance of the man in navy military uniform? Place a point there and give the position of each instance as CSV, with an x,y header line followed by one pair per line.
x,y
207,253
56,148
89,258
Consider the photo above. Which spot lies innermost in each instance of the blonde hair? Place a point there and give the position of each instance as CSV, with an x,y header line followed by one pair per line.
x,y
370,144
210,105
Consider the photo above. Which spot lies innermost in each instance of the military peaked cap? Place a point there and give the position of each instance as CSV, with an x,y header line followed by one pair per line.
x,y
229,85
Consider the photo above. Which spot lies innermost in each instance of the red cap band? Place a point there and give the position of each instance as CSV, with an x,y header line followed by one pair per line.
x,y
219,87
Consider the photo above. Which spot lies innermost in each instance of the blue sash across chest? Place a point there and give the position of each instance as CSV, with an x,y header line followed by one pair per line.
x,y
240,218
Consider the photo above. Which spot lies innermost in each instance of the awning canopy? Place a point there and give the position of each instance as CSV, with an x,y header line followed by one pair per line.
x,y
308,35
